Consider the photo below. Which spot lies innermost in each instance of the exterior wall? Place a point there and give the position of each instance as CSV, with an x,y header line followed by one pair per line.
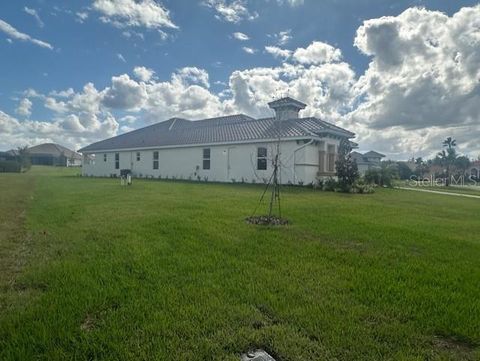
x,y
363,168
74,162
228,163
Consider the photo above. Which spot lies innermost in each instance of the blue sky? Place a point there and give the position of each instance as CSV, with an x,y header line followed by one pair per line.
x,y
65,45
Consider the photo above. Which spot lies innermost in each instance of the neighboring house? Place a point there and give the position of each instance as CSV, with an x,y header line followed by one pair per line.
x,y
367,161
54,154
235,148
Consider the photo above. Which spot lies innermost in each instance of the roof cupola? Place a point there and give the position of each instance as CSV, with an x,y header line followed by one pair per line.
x,y
286,108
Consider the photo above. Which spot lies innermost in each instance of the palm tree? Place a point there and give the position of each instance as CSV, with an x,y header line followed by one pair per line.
x,y
450,143
447,158
421,167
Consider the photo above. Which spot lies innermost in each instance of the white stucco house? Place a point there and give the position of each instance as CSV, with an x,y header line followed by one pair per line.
x,y
234,148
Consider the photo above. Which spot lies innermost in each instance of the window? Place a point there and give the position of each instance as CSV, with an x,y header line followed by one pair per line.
x,y
206,158
117,160
331,158
105,157
321,157
262,158
138,156
155,160
321,161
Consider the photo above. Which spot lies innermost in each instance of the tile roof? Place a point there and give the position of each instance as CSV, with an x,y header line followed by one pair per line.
x,y
287,101
227,129
53,149
374,154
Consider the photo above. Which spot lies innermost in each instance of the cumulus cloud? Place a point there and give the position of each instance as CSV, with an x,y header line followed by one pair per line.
x,y
68,131
125,93
241,36
317,53
424,75
233,11
192,75
130,13
142,73
15,34
34,13
24,107
422,85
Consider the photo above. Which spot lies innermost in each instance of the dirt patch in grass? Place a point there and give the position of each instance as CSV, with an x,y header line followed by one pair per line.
x,y
457,348
267,220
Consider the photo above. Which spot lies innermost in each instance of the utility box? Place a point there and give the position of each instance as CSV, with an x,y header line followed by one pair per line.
x,y
125,172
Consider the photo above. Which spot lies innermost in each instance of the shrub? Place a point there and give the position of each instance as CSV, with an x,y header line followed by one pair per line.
x,y
382,176
10,166
361,187
329,185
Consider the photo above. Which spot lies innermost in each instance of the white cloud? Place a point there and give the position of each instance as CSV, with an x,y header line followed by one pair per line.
x,y
423,81
15,34
125,93
283,37
233,11
24,107
241,36
278,52
134,13
34,13
81,16
423,84
191,75
63,93
68,131
291,2
121,58
142,73
130,119
317,53
249,50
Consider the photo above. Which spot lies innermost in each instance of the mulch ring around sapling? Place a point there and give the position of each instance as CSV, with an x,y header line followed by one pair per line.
x,y
267,220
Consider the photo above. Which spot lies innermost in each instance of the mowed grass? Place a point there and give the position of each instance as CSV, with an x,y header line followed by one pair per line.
x,y
170,271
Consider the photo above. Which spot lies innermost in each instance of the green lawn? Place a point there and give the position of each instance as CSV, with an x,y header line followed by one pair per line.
x,y
170,271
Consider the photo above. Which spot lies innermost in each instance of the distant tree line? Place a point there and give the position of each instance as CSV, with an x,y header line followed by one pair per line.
x,y
446,164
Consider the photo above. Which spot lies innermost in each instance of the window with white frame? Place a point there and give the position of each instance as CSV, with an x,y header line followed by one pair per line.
x,y
117,160
105,157
138,156
262,158
331,158
155,160
206,158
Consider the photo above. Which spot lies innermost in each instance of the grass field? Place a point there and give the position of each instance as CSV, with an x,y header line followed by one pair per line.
x,y
170,271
